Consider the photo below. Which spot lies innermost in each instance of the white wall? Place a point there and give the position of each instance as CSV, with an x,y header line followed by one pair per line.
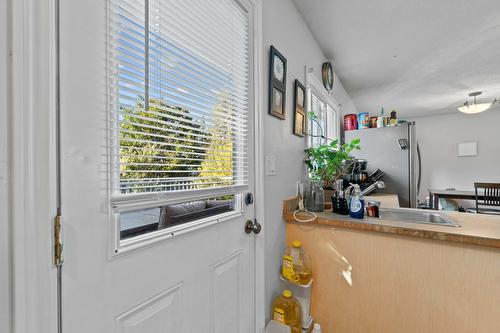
x,y
4,230
438,137
285,29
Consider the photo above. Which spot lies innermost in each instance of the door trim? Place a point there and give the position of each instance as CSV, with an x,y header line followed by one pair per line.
x,y
32,204
259,76
32,165
5,263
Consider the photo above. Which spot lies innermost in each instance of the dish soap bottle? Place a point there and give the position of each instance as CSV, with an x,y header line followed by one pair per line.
x,y
296,264
357,204
286,310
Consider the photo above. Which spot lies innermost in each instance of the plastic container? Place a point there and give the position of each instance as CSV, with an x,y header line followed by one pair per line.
x,y
372,208
363,120
303,294
357,204
296,266
276,327
350,122
316,328
385,119
307,326
380,121
286,310
315,196
393,120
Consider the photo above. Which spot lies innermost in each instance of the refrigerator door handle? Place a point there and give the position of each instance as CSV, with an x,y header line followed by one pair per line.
x,y
419,181
412,161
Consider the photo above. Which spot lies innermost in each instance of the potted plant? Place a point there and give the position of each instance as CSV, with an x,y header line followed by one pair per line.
x,y
330,161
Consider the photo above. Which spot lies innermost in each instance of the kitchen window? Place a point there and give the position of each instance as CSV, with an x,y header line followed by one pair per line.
x,y
180,101
325,127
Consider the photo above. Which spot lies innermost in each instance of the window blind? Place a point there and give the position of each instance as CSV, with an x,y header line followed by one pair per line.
x,y
180,97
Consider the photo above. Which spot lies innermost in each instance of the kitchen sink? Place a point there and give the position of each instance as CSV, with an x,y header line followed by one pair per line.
x,y
417,216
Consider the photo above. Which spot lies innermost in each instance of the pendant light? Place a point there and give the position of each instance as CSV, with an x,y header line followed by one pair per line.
x,y
471,108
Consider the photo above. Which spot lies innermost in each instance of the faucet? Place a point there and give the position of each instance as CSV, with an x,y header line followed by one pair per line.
x,y
377,185
347,192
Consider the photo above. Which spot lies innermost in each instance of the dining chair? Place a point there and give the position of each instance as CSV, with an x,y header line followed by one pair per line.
x,y
487,202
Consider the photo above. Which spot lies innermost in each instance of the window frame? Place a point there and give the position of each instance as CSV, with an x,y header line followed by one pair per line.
x,y
315,88
121,203
122,246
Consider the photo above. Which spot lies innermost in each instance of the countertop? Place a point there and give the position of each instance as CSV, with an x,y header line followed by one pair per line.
x,y
477,229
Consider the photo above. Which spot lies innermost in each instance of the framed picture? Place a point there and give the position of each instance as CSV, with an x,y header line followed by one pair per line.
x,y
277,84
299,119
278,103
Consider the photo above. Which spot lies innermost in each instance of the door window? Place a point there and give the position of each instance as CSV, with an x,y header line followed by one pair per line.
x,y
180,99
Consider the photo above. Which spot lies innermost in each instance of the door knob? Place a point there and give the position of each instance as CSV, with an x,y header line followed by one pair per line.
x,y
252,226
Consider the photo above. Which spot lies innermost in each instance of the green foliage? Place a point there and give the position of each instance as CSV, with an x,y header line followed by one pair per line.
x,y
312,115
330,161
149,143
217,167
165,142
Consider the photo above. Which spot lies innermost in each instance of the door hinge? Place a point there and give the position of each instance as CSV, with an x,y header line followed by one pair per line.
x,y
58,241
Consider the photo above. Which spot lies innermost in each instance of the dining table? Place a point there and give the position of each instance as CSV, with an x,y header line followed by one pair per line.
x,y
436,194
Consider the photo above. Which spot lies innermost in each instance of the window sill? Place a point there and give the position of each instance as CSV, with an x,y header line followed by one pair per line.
x,y
129,245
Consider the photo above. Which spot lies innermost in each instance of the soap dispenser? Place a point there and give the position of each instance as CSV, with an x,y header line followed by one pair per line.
x,y
357,204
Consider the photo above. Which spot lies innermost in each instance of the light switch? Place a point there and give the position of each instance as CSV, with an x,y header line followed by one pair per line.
x,y
270,165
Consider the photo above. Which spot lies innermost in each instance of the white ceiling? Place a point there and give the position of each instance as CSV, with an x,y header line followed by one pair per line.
x,y
416,56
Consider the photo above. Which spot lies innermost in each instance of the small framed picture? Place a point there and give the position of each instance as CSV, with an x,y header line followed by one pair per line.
x,y
299,94
299,124
277,84
278,68
299,120
278,103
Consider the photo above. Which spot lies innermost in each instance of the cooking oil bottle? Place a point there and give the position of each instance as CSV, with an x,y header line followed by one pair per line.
x,y
296,264
286,310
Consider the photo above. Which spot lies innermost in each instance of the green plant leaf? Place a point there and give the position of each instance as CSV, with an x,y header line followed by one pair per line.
x,y
330,161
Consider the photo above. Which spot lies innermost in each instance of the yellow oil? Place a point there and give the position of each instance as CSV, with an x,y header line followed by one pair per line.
x,y
296,265
303,274
286,310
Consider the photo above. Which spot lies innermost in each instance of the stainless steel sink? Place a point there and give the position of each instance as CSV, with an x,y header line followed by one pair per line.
x,y
417,216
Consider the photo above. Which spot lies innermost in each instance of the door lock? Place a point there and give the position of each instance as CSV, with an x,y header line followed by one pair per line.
x,y
249,199
252,226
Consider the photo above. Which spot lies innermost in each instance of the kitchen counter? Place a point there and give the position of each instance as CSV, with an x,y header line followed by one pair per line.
x,y
476,229
376,275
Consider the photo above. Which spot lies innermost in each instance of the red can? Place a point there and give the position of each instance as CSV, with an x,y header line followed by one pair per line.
x,y
350,122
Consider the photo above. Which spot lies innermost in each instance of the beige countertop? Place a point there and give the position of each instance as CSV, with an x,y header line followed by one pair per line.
x,y
478,229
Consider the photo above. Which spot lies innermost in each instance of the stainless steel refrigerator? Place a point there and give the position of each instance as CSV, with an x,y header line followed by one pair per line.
x,y
394,150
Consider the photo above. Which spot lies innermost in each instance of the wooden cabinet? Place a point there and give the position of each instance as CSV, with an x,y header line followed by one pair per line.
x,y
377,282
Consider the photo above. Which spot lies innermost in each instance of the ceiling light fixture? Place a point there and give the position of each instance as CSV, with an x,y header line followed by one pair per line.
x,y
475,107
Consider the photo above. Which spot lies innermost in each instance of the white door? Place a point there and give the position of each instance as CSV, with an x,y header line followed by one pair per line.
x,y
153,116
